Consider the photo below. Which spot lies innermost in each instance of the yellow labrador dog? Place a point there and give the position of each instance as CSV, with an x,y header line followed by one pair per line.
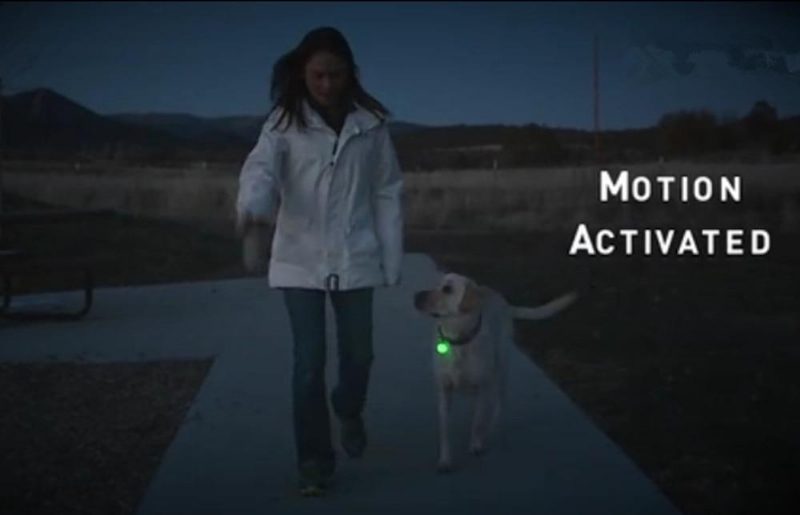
x,y
474,329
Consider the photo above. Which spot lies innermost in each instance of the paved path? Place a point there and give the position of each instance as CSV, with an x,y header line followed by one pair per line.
x,y
234,454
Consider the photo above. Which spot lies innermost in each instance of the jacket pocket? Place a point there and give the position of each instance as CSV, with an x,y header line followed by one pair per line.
x,y
293,222
361,236
293,242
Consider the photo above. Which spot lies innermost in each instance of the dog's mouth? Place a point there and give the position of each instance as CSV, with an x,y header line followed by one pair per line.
x,y
421,303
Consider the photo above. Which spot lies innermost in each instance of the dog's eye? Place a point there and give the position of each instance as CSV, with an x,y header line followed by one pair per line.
x,y
447,289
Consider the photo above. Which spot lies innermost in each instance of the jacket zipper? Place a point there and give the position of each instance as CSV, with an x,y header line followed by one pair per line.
x,y
325,218
335,145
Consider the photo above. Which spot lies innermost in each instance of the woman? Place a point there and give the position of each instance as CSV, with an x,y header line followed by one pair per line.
x,y
325,152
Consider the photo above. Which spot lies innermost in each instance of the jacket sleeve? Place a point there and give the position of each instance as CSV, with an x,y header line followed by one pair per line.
x,y
259,179
387,206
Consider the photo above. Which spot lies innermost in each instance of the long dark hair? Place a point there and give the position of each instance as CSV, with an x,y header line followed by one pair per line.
x,y
288,87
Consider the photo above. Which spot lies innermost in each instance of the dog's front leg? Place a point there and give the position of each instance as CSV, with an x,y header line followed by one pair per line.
x,y
481,421
445,399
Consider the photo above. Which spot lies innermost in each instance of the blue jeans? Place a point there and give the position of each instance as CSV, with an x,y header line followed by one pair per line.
x,y
353,312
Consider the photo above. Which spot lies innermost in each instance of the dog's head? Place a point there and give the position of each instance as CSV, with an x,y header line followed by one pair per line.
x,y
455,295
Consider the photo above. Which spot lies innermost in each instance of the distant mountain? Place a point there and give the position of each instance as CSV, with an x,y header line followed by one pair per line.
x,y
43,124
397,128
792,122
234,128
246,127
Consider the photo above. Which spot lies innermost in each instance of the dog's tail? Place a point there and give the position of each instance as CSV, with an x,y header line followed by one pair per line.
x,y
545,310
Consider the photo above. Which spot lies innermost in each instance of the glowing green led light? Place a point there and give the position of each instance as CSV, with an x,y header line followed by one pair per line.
x,y
443,347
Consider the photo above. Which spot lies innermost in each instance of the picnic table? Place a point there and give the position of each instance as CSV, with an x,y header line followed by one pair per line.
x,y
15,260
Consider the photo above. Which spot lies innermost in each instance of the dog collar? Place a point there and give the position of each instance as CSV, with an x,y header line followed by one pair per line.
x,y
463,339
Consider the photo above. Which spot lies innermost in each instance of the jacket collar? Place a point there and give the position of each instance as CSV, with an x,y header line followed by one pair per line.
x,y
358,120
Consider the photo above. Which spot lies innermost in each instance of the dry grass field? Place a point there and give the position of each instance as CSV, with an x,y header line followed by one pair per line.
x,y
688,363
538,199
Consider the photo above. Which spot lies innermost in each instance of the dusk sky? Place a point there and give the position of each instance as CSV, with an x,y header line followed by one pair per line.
x,y
431,63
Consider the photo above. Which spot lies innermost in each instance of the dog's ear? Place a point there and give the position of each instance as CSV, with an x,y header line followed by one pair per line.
x,y
472,299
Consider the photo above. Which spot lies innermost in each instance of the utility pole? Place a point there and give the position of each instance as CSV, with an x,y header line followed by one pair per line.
x,y
2,162
596,89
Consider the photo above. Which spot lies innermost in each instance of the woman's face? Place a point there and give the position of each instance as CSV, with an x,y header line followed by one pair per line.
x,y
326,77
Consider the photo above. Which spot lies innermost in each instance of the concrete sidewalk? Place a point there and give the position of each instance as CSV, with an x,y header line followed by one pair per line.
x,y
234,453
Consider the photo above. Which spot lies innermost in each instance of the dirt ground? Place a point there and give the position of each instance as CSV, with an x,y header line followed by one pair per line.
x,y
688,364
86,438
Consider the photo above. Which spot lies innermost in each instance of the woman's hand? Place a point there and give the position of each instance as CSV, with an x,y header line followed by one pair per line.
x,y
255,244
255,240
245,221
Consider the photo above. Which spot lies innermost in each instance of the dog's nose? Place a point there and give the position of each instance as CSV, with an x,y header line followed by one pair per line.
x,y
419,299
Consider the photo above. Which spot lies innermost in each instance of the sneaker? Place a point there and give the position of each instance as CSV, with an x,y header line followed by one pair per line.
x,y
354,437
313,482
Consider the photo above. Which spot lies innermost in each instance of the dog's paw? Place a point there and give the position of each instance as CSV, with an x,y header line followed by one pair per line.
x,y
444,467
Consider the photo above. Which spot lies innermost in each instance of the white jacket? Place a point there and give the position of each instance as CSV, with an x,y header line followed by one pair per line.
x,y
339,221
